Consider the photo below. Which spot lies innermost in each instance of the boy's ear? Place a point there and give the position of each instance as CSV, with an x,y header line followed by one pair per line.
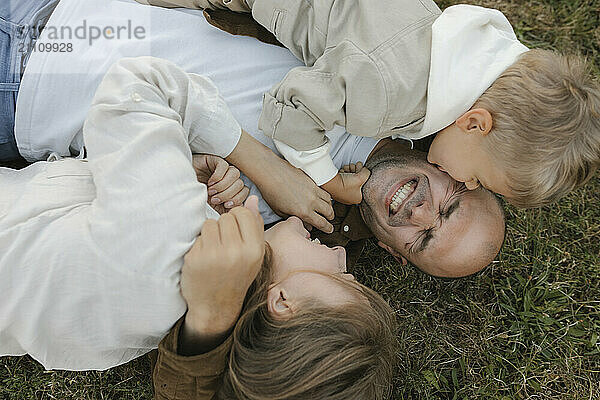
x,y
393,252
476,120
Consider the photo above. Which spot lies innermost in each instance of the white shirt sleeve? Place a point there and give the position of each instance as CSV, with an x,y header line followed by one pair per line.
x,y
316,163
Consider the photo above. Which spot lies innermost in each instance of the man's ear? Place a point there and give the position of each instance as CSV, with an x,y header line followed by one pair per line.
x,y
476,120
278,305
399,257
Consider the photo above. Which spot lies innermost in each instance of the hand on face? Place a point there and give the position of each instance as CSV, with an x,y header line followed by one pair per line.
x,y
225,188
346,187
221,266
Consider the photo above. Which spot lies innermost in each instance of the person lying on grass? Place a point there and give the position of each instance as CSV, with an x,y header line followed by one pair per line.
x,y
305,331
469,232
92,251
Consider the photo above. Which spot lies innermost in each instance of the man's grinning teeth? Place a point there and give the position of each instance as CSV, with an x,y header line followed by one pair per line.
x,y
400,195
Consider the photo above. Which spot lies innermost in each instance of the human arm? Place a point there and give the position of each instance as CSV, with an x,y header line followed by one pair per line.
x,y
233,5
346,186
169,112
286,189
217,273
298,196
342,86
178,377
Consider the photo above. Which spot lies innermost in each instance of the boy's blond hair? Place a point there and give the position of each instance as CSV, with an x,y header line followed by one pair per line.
x,y
546,126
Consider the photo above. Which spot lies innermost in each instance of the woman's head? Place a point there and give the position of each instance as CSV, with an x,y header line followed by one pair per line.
x,y
304,270
308,330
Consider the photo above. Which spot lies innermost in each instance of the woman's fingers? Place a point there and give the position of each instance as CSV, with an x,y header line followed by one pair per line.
x,y
238,199
229,230
229,192
323,194
210,233
252,205
231,175
325,209
220,169
250,225
318,221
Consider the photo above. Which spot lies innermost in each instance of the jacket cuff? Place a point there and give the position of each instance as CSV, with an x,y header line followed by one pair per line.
x,y
316,163
203,365
289,124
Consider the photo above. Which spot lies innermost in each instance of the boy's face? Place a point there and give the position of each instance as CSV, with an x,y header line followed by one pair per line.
x,y
463,156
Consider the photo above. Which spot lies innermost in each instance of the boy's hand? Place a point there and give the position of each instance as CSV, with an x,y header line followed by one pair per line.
x,y
352,168
219,269
225,188
346,187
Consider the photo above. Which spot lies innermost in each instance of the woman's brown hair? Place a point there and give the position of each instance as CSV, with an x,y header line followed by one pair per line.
x,y
320,353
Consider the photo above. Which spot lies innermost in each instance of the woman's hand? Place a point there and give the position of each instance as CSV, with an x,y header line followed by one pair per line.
x,y
217,272
225,188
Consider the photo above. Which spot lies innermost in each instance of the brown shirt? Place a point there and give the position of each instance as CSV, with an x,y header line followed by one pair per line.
x,y
241,24
198,377
349,231
178,377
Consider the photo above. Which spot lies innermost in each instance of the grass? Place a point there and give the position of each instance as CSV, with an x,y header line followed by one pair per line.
x,y
528,327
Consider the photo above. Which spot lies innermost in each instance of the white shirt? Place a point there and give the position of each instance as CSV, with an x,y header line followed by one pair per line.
x,y
91,251
57,88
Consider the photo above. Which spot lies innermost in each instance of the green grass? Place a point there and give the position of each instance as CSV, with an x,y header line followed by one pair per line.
x,y
528,327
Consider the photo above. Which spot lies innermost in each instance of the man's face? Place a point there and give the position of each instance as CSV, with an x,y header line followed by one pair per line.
x,y
421,214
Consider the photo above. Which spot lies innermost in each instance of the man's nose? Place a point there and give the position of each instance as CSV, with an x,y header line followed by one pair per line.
x,y
422,215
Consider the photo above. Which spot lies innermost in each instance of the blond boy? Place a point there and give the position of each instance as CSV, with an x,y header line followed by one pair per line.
x,y
522,123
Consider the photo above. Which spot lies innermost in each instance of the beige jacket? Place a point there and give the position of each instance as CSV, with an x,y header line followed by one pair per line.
x,y
367,65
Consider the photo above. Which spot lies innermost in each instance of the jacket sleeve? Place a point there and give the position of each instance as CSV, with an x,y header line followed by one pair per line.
x,y
178,377
146,119
311,100
233,5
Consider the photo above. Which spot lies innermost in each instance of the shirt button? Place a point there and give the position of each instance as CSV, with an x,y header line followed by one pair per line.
x,y
136,97
346,228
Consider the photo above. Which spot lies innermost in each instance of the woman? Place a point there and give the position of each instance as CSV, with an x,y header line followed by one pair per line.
x,y
91,250
306,332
